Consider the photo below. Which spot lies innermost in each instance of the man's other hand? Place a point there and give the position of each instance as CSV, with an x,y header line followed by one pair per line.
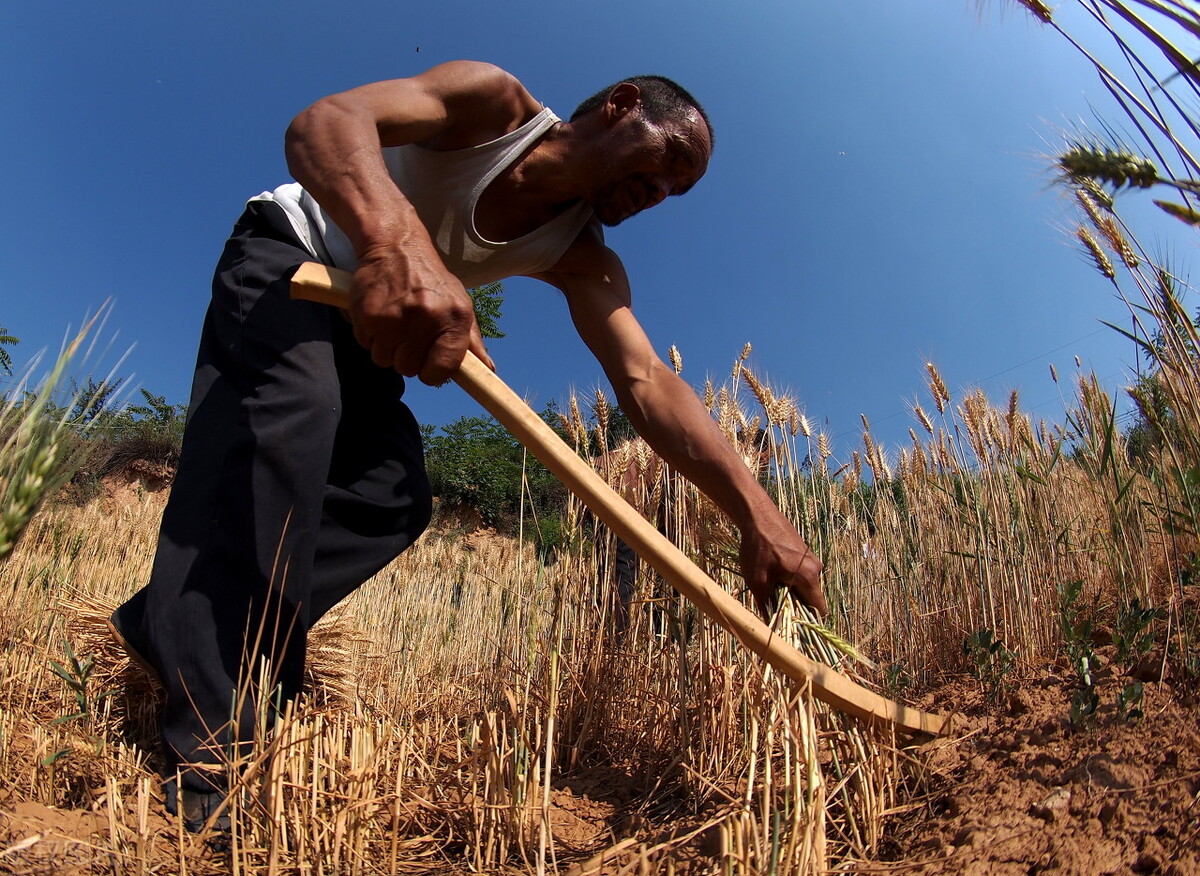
x,y
774,556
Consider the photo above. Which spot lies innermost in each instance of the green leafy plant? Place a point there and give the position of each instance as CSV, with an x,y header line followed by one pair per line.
x,y
1086,699
1134,635
488,299
77,676
1077,629
989,661
1134,638
475,461
6,340
897,678
1129,702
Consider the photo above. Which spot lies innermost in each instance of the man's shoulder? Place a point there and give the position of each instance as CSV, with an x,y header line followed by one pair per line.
x,y
587,263
482,99
479,77
588,253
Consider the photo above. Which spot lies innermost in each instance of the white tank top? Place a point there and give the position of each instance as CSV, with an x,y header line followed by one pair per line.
x,y
444,187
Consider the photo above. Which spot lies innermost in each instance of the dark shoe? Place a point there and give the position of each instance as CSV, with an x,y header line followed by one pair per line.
x,y
198,808
117,628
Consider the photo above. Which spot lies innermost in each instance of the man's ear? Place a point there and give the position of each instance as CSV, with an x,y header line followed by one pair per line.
x,y
622,100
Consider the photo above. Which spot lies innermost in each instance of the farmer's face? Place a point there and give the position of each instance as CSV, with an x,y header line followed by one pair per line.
x,y
645,162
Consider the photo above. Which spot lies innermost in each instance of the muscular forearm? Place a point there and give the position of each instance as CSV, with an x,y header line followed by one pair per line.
x,y
667,413
670,416
333,150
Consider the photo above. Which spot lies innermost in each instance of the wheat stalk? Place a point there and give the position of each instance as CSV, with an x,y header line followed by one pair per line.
x,y
36,457
1106,164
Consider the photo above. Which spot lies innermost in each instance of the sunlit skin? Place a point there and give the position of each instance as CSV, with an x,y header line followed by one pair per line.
x,y
415,316
657,162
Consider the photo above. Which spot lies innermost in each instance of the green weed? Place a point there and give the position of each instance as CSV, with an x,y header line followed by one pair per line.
x,y
989,661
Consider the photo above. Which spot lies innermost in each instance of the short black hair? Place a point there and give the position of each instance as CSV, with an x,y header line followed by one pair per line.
x,y
662,99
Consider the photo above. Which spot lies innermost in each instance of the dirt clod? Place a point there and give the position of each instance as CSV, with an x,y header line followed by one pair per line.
x,y
1052,806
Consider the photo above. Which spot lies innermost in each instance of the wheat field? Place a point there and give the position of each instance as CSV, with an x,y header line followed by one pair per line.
x,y
477,709
480,707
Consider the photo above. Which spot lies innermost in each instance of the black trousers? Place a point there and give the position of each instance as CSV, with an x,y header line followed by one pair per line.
x,y
301,476
626,567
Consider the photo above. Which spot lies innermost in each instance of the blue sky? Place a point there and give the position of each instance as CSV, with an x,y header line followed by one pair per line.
x,y
879,196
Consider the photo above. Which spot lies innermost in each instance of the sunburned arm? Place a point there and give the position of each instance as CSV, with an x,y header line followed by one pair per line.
x,y
407,309
668,414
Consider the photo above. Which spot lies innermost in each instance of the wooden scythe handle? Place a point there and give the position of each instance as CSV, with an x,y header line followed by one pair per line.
x,y
315,282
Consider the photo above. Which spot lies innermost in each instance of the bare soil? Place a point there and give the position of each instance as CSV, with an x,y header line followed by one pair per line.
x,y
1022,790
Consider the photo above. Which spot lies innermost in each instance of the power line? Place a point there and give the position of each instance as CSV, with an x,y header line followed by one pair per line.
x,y
1031,361
1044,355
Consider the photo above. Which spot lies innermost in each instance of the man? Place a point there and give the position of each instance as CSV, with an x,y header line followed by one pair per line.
x,y
301,474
